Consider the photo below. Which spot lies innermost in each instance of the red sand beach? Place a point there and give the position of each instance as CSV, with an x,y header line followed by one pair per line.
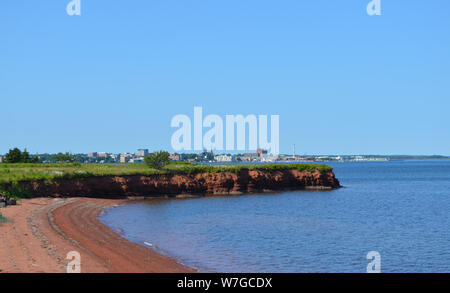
x,y
41,232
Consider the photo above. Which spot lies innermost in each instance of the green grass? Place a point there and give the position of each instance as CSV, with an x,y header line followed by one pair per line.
x,y
31,172
197,168
11,173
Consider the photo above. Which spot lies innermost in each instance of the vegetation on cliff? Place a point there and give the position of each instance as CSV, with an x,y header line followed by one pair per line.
x,y
30,172
198,168
14,190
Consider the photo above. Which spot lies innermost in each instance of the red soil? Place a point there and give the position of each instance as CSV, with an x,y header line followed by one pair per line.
x,y
223,183
40,232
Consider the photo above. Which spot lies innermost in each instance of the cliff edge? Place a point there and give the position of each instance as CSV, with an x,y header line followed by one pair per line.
x,y
221,183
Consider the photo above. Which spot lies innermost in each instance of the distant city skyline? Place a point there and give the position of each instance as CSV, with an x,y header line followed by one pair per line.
x,y
342,82
260,155
138,153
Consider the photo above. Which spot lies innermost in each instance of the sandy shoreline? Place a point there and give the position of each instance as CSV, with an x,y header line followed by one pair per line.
x,y
41,232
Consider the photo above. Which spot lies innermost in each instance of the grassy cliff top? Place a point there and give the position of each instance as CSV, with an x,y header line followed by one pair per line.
x,y
10,173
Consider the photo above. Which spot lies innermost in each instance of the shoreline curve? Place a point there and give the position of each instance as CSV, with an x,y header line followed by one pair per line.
x,y
40,232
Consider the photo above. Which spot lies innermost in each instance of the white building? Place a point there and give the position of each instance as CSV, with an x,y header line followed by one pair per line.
x,y
142,152
269,158
223,158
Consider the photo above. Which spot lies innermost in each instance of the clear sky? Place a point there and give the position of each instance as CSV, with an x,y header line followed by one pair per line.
x,y
112,79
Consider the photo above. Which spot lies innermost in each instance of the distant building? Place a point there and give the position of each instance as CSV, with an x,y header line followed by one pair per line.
x,y
1,159
124,159
269,158
93,155
249,157
223,158
114,157
260,153
102,155
205,156
142,152
174,157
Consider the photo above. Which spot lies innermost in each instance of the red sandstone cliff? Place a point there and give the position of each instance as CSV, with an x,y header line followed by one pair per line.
x,y
225,183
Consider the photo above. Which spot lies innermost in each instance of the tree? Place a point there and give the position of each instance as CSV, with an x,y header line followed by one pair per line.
x,y
16,156
25,157
157,160
13,156
60,157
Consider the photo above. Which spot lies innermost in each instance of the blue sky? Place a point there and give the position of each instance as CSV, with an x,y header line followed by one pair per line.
x,y
111,79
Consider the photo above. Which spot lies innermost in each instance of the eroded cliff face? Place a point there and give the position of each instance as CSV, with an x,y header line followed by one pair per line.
x,y
248,181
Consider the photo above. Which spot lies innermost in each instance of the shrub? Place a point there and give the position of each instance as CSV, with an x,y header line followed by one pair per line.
x,y
158,160
14,190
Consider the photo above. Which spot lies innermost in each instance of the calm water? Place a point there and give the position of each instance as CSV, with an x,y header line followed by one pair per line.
x,y
400,209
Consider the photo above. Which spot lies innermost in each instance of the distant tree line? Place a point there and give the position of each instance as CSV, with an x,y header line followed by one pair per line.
x,y
17,156
64,158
